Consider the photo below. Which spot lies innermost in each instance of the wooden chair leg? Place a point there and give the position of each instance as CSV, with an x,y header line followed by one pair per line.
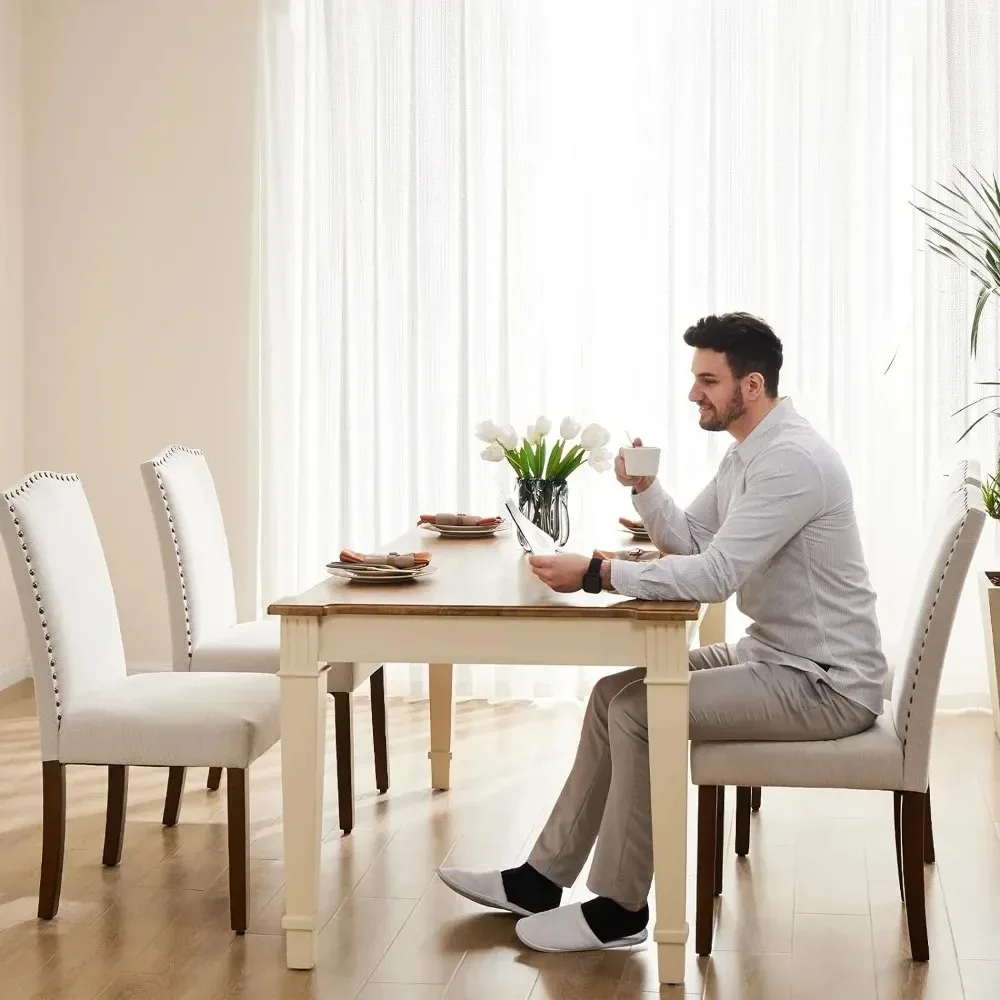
x,y
928,830
912,821
720,830
214,778
755,799
175,788
379,732
897,804
53,837
238,824
705,884
114,822
742,821
344,730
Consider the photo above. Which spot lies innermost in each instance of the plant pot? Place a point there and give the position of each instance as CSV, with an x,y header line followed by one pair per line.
x,y
545,503
989,591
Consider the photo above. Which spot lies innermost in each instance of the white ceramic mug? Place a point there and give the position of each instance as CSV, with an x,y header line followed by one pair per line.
x,y
644,461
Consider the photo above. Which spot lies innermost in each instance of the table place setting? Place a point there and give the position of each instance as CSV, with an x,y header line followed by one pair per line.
x,y
635,528
392,567
461,525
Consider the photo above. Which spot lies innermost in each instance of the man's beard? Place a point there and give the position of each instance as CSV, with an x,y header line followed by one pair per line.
x,y
715,421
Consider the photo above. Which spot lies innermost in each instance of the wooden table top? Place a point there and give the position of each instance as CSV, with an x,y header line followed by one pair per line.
x,y
473,577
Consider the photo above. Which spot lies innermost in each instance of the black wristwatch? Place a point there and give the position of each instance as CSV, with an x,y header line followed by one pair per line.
x,y
592,578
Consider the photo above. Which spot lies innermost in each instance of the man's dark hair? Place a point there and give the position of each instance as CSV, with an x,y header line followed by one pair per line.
x,y
748,343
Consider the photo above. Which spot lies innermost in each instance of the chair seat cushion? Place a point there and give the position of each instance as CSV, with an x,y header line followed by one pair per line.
x,y
255,647
872,759
174,719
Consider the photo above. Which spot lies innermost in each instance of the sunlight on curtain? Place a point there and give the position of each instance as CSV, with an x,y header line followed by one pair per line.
x,y
502,209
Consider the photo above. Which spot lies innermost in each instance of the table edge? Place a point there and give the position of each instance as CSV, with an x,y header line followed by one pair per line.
x,y
643,611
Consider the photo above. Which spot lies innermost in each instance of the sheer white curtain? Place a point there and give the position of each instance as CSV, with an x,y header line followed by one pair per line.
x,y
500,209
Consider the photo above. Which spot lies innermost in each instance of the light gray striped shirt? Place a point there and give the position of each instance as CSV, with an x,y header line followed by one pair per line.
x,y
776,527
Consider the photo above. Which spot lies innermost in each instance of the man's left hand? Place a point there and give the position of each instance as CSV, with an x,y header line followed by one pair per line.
x,y
562,573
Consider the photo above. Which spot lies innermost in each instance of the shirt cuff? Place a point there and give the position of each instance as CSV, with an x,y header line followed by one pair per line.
x,y
649,500
625,577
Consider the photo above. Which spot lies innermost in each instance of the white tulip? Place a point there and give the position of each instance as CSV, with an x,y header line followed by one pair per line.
x,y
533,435
487,431
543,425
598,466
493,453
507,436
602,455
569,428
594,436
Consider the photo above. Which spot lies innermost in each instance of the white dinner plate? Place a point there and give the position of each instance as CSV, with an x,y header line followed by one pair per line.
x,y
381,574
639,533
464,530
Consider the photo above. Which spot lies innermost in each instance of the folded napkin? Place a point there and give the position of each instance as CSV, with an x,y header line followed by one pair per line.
x,y
629,555
399,560
465,520
631,525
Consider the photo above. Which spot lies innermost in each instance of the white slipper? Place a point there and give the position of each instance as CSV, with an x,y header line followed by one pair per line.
x,y
566,929
483,886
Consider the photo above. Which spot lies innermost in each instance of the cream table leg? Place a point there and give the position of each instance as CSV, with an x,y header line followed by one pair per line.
x,y
303,747
442,711
667,703
713,625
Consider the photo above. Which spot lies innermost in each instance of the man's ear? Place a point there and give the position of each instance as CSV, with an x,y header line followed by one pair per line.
x,y
755,383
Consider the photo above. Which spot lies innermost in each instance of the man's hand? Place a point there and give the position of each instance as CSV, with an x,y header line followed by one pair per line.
x,y
562,573
638,483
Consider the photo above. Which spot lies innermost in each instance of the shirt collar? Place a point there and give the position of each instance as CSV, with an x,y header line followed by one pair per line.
x,y
750,447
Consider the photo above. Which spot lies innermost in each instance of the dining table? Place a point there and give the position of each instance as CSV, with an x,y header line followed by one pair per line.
x,y
481,604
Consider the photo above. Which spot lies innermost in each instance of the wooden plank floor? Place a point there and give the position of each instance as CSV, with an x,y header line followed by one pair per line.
x,y
813,913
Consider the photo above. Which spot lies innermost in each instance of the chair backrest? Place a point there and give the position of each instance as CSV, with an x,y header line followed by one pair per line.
x,y
194,549
966,473
925,640
65,593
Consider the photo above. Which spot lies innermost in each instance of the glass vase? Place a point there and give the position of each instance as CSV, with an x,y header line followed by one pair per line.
x,y
545,503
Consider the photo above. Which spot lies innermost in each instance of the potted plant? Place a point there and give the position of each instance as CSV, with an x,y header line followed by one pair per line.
x,y
966,231
542,472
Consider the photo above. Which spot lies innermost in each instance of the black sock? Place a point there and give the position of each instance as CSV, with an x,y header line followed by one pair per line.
x,y
611,922
530,889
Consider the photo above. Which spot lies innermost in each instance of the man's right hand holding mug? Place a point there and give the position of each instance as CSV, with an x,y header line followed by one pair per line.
x,y
638,483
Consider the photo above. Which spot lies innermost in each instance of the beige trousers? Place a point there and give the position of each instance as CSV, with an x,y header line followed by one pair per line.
x,y
606,796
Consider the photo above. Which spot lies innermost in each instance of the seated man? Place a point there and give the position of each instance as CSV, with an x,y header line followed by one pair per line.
x,y
776,527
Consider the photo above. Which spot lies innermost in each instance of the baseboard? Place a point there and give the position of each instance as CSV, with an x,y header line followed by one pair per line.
x,y
149,667
978,701
14,673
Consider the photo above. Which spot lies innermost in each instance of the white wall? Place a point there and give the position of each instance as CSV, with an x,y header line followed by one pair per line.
x,y
12,648
139,138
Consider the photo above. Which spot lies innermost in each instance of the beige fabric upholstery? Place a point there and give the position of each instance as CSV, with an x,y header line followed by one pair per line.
x,y
873,759
204,630
895,753
194,549
914,694
965,473
65,594
90,710
169,718
255,646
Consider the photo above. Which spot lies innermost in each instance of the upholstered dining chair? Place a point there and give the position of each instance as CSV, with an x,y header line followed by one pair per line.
x,y
894,755
966,472
91,711
204,628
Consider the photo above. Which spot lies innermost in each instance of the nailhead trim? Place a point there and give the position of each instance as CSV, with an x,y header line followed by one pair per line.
x,y
930,616
9,496
161,460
